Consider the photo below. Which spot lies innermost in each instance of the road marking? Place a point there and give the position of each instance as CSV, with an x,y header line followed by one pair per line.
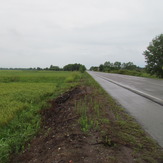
x,y
150,97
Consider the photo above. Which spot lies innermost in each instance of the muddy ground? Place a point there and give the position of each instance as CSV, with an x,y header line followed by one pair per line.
x,y
61,139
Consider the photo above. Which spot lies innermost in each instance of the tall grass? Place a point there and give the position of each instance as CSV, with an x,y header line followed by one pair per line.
x,y
15,97
100,112
22,95
7,76
90,108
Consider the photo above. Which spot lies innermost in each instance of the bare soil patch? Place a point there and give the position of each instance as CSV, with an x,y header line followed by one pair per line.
x,y
61,139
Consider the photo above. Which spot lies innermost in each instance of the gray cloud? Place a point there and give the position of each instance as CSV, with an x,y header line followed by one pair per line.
x,y
41,33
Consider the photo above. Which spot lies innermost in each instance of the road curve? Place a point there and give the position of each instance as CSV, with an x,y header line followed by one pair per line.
x,y
141,97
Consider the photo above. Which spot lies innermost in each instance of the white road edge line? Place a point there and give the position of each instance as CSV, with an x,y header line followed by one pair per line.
x,y
152,98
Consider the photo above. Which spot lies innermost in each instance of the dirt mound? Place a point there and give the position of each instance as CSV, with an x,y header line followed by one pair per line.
x,y
62,140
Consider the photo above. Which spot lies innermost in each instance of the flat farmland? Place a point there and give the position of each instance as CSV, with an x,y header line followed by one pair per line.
x,y
49,116
22,94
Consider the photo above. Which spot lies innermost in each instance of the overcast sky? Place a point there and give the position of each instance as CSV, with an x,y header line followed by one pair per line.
x,y
38,33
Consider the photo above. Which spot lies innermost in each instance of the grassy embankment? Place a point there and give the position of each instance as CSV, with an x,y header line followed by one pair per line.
x,y
99,112
22,95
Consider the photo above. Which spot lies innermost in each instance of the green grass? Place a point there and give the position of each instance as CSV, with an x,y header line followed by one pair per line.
x,y
117,130
7,76
134,73
86,122
90,107
22,95
19,96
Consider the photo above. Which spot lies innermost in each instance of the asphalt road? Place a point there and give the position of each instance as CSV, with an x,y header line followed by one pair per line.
x,y
141,97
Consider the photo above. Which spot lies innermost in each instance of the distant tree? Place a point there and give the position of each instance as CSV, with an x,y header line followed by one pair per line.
x,y
46,68
117,65
101,67
129,66
38,68
69,67
154,56
94,68
74,67
54,68
108,66
82,68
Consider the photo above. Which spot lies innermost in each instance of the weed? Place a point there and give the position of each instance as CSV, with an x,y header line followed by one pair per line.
x,y
86,124
121,130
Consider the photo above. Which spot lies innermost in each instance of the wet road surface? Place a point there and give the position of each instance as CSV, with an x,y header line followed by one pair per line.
x,y
147,112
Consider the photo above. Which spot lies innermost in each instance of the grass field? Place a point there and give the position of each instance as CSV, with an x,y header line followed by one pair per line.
x,y
22,95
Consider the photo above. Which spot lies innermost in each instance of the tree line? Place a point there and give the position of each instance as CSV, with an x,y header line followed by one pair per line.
x,y
153,56
68,67
108,66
